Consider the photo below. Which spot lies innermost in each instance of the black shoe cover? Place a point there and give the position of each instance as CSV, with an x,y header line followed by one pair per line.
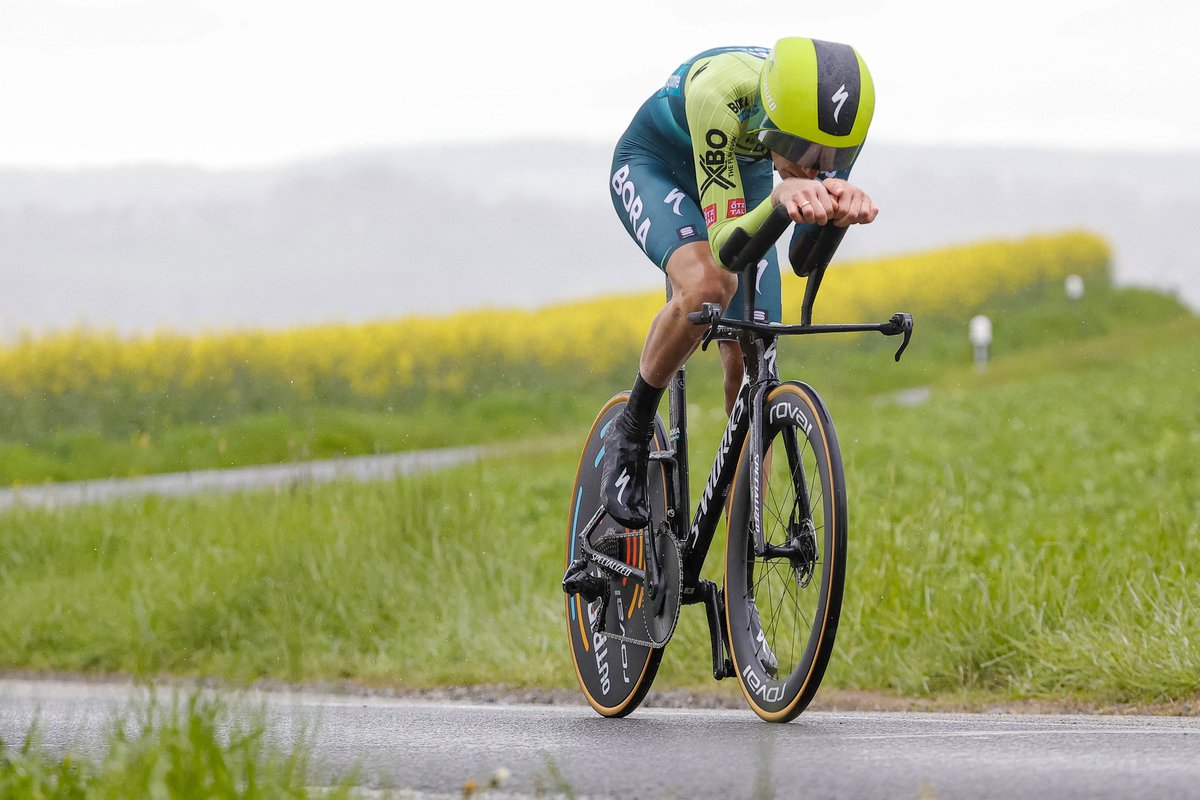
x,y
623,474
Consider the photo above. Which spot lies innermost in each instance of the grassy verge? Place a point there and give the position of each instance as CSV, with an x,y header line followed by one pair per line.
x,y
298,435
192,751
1029,532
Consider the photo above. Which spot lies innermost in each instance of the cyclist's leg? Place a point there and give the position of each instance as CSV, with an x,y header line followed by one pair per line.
x,y
663,218
695,280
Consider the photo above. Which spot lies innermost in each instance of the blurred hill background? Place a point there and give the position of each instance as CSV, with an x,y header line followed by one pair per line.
x,y
388,233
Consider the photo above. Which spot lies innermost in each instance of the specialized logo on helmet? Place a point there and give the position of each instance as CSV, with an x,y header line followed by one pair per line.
x,y
839,97
767,96
840,79
766,87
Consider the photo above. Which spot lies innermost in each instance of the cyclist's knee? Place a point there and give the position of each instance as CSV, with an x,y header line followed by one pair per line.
x,y
696,279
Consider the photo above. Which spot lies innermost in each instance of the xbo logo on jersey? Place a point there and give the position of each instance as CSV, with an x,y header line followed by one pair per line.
x,y
714,161
632,202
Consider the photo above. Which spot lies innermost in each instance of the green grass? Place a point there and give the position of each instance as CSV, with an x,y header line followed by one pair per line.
x,y
379,582
1041,537
317,432
1028,532
194,750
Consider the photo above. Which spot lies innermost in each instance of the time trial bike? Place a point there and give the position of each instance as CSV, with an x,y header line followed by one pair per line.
x,y
777,475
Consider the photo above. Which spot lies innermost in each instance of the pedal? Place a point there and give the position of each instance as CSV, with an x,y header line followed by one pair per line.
x,y
599,623
578,581
714,607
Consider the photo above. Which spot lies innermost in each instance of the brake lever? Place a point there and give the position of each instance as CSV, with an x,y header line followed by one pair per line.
x,y
709,314
900,323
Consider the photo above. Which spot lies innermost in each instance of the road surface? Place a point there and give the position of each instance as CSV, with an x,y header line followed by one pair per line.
x,y
662,753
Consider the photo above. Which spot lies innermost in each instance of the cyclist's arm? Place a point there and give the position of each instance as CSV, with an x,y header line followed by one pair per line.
x,y
711,97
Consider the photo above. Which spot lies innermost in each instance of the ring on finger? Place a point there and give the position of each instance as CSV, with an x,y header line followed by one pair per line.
x,y
806,203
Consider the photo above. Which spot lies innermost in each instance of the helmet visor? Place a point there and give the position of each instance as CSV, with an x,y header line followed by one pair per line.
x,y
808,154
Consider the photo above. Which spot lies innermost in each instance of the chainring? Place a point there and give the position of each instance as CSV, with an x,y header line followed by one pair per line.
x,y
663,610
660,615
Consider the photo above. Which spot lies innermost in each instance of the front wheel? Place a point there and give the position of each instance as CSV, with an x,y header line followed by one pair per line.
x,y
782,607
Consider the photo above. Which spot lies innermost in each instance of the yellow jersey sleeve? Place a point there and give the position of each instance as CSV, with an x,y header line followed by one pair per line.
x,y
717,93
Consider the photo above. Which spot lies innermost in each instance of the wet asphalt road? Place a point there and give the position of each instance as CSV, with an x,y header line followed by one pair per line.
x,y
659,753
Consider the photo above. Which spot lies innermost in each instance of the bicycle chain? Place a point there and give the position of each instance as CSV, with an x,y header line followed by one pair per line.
x,y
620,637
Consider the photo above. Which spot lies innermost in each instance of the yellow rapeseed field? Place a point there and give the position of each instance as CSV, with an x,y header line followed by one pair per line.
x,y
91,377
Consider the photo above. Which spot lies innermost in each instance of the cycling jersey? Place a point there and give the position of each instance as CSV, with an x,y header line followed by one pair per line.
x,y
690,167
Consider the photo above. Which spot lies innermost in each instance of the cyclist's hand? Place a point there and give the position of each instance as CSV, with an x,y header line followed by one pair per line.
x,y
806,200
851,204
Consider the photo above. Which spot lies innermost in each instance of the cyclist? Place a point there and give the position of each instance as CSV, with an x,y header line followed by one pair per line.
x,y
694,165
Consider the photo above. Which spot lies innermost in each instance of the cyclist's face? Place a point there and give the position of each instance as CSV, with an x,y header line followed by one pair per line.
x,y
790,169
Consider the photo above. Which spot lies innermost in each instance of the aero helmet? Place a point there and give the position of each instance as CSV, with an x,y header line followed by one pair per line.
x,y
818,99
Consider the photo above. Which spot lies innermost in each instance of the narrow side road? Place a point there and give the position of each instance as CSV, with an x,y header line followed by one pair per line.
x,y
240,479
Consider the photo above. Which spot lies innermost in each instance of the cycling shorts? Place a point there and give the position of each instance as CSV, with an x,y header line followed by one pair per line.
x,y
653,189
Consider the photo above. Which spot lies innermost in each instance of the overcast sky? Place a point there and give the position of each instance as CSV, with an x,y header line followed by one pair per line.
x,y
241,82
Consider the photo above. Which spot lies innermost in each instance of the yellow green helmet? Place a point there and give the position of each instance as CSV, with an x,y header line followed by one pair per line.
x,y
818,100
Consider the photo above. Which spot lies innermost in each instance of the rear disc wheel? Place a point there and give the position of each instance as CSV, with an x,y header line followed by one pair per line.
x,y
616,675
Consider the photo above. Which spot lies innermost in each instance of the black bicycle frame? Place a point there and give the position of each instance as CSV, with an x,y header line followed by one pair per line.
x,y
758,353
695,533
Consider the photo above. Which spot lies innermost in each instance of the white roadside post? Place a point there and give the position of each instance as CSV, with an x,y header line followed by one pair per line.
x,y
1074,287
981,338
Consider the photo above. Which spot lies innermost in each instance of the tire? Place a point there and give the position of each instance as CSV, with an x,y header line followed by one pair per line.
x,y
798,599
614,675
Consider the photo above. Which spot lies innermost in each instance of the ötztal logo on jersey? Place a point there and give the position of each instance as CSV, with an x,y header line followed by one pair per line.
x,y
710,215
737,207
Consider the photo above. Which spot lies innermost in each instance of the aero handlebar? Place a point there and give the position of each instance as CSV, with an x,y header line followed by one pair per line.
x,y
741,249
810,256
